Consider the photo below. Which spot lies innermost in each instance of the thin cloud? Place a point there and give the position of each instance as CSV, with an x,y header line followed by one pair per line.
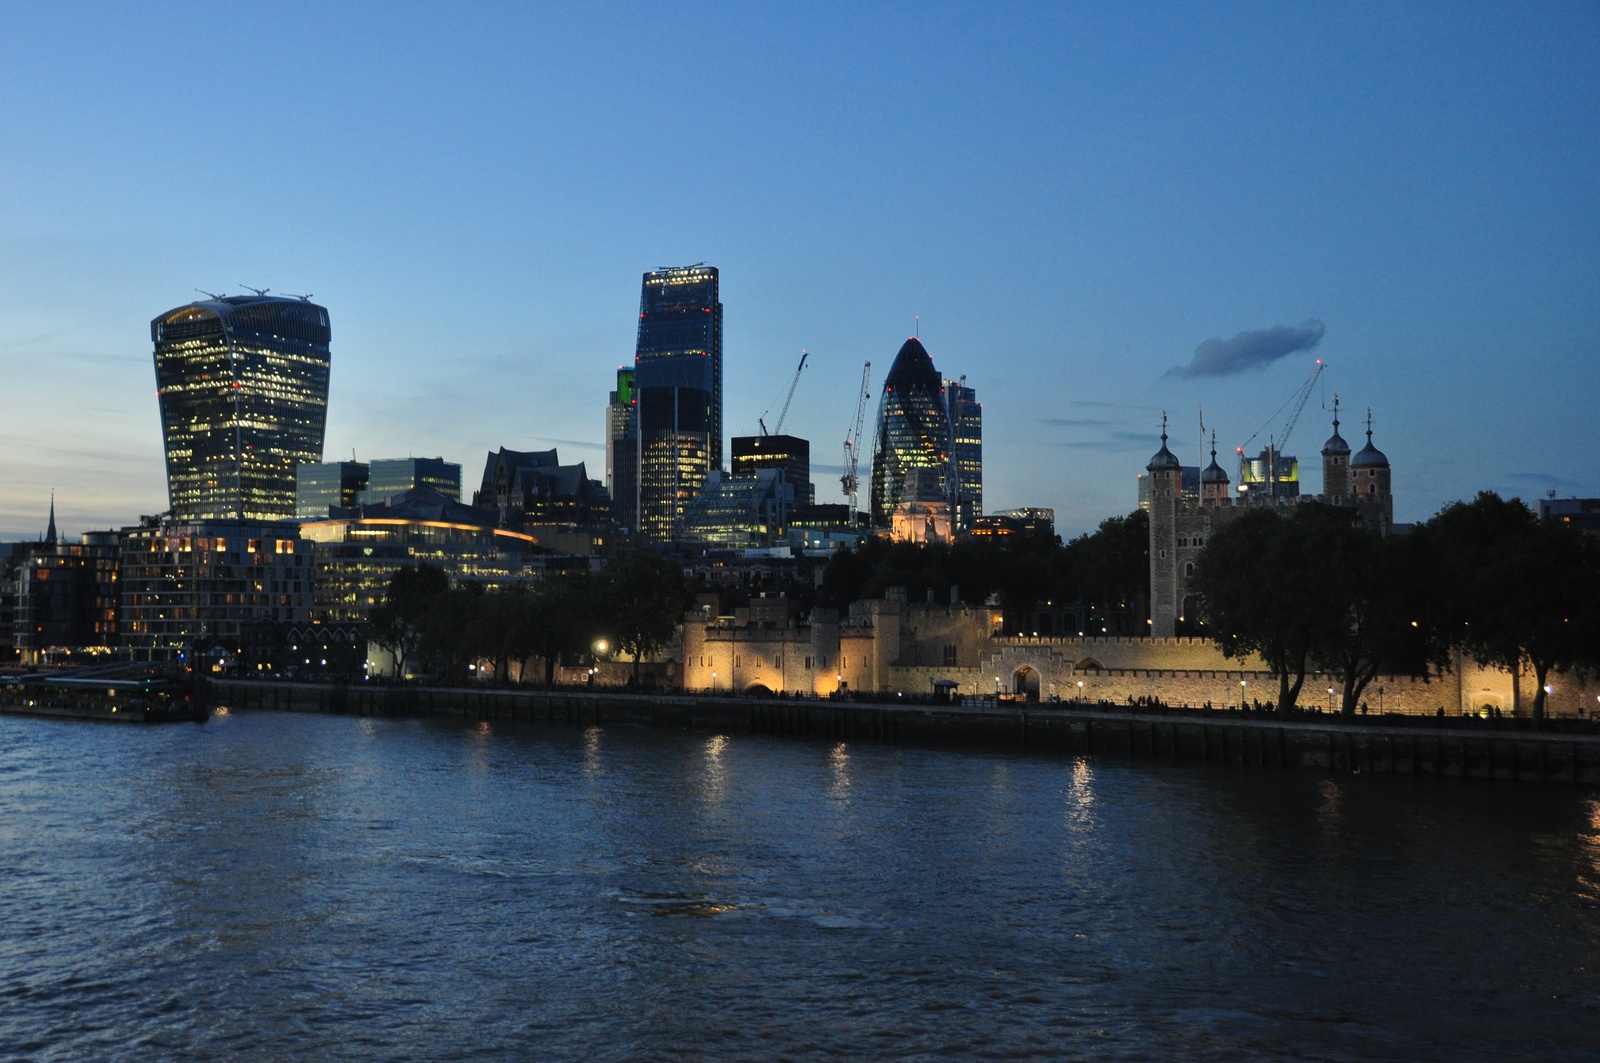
x,y
1542,481
1254,349
1077,422
1116,441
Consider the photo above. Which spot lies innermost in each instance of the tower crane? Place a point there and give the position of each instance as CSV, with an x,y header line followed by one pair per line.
x,y
1275,446
788,397
852,447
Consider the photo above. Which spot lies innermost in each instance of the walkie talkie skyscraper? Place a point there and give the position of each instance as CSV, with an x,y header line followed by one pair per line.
x,y
242,382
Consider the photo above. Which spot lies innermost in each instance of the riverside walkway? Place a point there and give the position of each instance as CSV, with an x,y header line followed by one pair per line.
x,y
1389,746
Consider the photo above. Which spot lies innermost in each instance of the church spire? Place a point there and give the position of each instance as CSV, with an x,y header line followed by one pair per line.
x,y
50,531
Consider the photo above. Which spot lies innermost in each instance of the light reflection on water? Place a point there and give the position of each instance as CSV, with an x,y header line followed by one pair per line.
x,y
265,886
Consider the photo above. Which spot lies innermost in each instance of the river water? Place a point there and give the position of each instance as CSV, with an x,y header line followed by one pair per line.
x,y
268,886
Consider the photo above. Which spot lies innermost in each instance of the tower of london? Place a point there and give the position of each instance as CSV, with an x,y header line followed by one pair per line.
x,y
1181,522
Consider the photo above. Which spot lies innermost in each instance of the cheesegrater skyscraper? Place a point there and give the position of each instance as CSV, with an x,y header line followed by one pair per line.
x,y
242,382
678,387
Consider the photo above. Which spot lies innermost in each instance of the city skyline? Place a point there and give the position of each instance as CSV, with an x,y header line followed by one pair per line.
x,y
1096,215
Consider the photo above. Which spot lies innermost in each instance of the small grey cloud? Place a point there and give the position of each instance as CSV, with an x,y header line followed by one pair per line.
x,y
584,444
1118,441
1254,349
1077,422
1542,481
1102,404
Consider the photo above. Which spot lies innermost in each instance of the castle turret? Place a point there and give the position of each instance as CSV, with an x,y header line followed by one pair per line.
x,y
1336,464
1213,481
1369,483
1166,482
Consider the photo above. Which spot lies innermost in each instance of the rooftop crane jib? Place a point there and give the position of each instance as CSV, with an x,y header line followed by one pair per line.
x,y
788,396
852,447
1275,446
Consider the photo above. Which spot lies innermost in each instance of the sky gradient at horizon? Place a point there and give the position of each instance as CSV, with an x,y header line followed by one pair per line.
x,y
1072,199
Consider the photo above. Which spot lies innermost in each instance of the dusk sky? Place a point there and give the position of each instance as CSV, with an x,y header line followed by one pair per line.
x,y
1076,200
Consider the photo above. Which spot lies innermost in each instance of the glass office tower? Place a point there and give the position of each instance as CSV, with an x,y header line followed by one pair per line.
x,y
242,382
319,488
966,451
678,388
792,454
913,429
396,476
622,450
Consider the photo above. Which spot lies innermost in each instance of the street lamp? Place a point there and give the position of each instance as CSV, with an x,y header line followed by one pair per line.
x,y
1330,699
1243,683
713,682
1080,693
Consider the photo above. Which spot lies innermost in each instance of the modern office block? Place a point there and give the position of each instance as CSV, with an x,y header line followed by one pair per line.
x,y
396,476
242,383
678,387
966,451
789,453
358,552
739,510
320,488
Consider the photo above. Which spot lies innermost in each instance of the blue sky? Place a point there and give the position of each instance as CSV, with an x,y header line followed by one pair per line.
x,y
1072,198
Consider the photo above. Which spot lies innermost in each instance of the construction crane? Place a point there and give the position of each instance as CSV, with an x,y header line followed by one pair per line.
x,y
852,447
788,397
1275,446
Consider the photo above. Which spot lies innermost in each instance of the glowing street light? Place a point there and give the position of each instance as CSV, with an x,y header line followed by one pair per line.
x,y
1243,683
1080,693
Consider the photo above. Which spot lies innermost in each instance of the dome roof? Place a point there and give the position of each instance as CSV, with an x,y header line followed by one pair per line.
x,y
1336,443
1213,473
1164,458
1369,456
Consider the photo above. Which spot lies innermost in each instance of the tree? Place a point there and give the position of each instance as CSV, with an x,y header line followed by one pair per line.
x,y
643,601
1516,589
557,617
1379,598
444,631
486,631
396,620
1264,585
1111,570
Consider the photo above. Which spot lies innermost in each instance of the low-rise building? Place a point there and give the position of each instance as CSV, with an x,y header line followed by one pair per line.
x,y
68,600
185,582
360,549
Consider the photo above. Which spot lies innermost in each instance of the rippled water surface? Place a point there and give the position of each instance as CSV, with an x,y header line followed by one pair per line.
x,y
269,886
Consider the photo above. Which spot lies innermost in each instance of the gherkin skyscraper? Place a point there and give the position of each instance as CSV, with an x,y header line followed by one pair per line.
x,y
913,429
242,382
